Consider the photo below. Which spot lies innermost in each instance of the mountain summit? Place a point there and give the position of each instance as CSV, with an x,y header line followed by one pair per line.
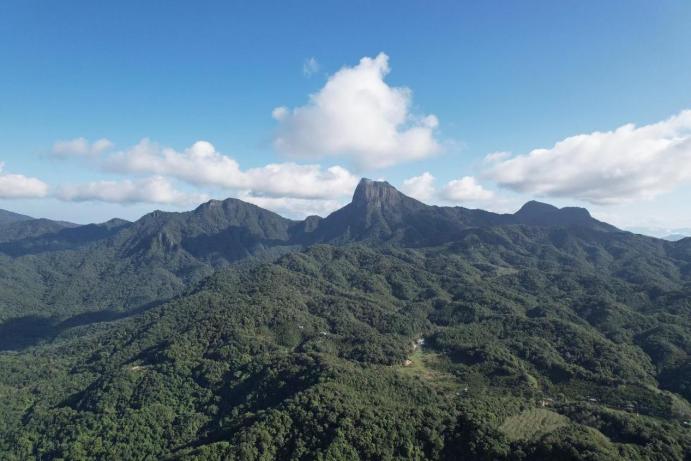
x,y
232,229
379,211
379,194
542,214
161,252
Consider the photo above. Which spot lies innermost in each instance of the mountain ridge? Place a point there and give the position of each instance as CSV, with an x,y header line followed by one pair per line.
x,y
156,256
373,197
439,332
7,217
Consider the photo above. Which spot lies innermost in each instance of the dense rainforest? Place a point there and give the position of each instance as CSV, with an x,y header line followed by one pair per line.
x,y
388,330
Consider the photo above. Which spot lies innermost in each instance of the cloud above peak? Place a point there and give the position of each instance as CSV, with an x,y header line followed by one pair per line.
x,y
358,115
603,168
466,190
421,187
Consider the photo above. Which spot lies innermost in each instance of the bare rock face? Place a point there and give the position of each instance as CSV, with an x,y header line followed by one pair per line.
x,y
377,194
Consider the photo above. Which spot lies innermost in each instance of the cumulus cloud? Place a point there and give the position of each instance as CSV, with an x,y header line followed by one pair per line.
x,y
310,67
19,186
294,207
359,115
626,164
155,189
420,187
81,147
464,190
202,165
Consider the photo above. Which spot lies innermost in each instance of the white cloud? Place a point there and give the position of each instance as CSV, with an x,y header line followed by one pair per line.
x,y
155,189
466,189
81,147
420,187
497,157
310,67
280,112
627,164
294,207
19,186
301,181
359,115
202,165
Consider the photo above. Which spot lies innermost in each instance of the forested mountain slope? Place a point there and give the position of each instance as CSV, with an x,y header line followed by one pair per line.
x,y
388,330
7,217
55,269
535,346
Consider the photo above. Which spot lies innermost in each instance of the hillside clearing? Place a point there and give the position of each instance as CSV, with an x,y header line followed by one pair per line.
x,y
532,423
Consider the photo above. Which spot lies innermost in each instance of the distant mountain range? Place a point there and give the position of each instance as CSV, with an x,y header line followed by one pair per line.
x,y
663,233
675,237
377,212
390,329
159,254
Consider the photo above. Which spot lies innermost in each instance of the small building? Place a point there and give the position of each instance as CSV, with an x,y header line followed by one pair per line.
x,y
546,402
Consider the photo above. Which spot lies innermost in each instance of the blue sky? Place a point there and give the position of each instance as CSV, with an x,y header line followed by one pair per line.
x,y
495,77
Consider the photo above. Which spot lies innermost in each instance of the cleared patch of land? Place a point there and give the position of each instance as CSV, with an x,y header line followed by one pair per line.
x,y
427,365
532,423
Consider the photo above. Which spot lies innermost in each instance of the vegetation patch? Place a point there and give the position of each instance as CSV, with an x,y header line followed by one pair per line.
x,y
532,424
429,366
